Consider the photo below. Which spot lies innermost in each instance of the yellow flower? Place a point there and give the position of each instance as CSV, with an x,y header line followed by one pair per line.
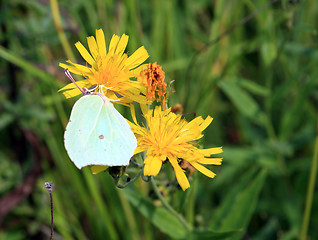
x,y
109,71
169,137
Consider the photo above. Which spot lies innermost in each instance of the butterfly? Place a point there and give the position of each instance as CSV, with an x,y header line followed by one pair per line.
x,y
97,134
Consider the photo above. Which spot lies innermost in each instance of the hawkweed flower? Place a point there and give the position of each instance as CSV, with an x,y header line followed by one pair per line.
x,y
154,79
168,137
109,72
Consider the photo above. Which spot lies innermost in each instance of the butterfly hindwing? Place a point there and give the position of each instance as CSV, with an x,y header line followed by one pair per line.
x,y
98,135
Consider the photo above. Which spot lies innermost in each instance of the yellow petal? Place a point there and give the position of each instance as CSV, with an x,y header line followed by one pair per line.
x,y
197,121
67,87
139,99
181,177
93,47
72,93
122,45
138,130
215,161
198,137
98,168
113,44
70,90
133,113
144,109
85,54
209,151
100,37
137,58
203,170
83,71
137,70
81,84
139,149
206,123
152,166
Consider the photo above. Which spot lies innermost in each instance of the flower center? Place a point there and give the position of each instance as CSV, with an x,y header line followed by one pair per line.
x,y
106,72
104,77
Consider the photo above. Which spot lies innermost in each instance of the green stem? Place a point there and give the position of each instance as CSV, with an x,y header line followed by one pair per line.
x,y
168,206
190,202
52,222
132,226
131,181
310,191
60,31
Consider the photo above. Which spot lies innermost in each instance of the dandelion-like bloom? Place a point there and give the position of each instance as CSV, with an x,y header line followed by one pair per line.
x,y
169,137
109,71
154,79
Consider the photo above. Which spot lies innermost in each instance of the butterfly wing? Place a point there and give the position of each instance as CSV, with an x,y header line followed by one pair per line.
x,y
98,135
83,113
112,140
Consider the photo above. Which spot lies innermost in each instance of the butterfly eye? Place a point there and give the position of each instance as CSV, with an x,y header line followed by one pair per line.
x,y
92,88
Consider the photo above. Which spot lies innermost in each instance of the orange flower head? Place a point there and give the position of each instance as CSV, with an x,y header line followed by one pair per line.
x,y
153,77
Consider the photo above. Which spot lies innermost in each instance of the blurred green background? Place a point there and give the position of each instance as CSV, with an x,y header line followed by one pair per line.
x,y
258,82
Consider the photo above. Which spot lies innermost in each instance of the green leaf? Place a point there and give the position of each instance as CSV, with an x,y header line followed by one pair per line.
x,y
254,87
10,174
228,201
236,211
300,49
207,235
28,67
243,101
294,116
159,216
5,120
12,235
269,52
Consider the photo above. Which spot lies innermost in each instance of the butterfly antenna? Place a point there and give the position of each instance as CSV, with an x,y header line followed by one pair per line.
x,y
68,74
